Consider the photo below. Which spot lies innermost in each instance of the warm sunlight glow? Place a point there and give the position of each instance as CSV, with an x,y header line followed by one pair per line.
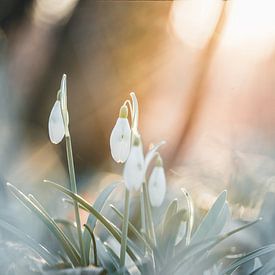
x,y
52,12
194,21
250,23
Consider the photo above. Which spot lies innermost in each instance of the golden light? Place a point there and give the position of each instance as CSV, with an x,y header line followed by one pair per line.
x,y
250,25
51,12
193,21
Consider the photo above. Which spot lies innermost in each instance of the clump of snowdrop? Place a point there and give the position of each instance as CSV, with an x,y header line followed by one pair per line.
x,y
126,146
168,247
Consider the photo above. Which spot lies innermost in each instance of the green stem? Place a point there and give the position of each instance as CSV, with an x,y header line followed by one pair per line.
x,y
94,242
74,190
125,228
142,212
145,213
149,212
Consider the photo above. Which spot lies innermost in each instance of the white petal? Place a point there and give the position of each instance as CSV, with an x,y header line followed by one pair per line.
x,y
56,124
157,186
134,168
120,140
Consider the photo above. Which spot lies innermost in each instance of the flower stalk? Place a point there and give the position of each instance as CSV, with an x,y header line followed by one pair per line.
x,y
125,229
148,214
74,190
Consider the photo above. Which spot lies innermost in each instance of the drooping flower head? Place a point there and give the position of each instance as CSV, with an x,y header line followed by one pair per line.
x,y
133,173
157,184
59,118
120,140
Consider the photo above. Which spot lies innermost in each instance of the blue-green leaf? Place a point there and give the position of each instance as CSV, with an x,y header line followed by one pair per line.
x,y
91,221
211,219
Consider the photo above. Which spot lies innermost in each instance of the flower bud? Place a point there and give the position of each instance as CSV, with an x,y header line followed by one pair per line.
x,y
157,184
56,124
120,140
134,167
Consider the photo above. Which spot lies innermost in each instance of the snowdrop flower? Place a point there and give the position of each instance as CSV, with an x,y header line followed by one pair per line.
x,y
120,140
56,124
134,167
157,184
59,118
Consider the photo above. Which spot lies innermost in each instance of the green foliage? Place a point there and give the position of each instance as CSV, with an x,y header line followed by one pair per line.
x,y
169,247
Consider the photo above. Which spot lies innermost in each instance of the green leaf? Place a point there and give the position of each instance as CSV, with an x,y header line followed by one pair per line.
x,y
151,154
112,255
105,222
131,227
190,222
69,229
209,220
52,226
170,211
36,246
89,229
105,260
257,266
91,221
220,222
250,256
168,238
193,250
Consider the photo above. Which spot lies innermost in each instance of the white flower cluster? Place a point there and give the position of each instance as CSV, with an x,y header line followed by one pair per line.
x,y
126,146
125,143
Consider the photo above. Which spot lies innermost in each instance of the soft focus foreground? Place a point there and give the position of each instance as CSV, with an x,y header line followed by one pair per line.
x,y
202,71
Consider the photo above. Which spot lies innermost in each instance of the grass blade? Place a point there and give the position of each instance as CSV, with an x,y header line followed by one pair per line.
x,y
106,223
91,221
194,249
37,247
250,256
89,229
52,226
210,219
190,222
131,227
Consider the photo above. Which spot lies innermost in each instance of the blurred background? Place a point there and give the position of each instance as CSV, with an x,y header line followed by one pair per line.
x,y
203,71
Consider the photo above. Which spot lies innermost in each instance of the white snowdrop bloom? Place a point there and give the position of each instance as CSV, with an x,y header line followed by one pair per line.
x,y
134,167
120,140
56,124
157,184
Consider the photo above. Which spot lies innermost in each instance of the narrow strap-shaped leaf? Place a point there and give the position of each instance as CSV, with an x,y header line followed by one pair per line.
x,y
151,154
210,219
250,256
220,222
71,252
36,246
257,266
104,259
107,224
112,255
91,221
190,222
170,211
131,227
168,239
69,229
89,229
42,209
194,249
